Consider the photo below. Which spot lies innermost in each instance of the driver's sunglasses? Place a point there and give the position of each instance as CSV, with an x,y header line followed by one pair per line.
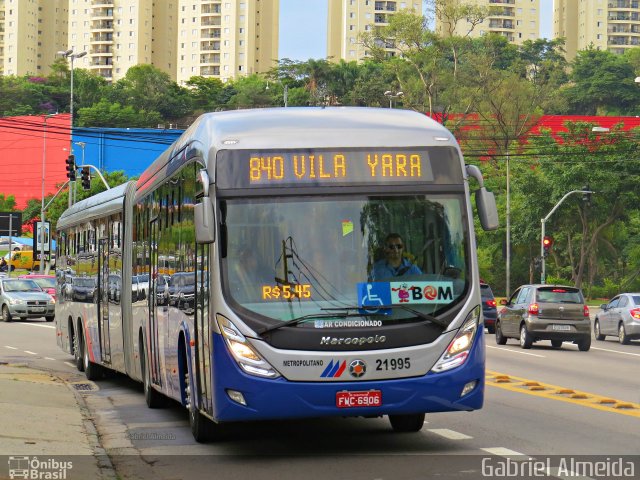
x,y
395,246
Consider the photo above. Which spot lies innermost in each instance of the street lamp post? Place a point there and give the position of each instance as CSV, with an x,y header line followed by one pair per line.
x,y
543,221
391,95
71,56
44,163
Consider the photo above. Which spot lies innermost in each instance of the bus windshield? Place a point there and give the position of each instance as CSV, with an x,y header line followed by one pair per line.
x,y
384,258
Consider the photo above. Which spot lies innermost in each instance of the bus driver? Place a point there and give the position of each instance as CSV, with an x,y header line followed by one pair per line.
x,y
394,264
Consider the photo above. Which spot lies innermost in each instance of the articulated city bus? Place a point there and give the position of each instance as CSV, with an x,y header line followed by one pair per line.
x,y
323,263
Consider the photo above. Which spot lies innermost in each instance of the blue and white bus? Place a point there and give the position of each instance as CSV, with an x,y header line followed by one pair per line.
x,y
273,304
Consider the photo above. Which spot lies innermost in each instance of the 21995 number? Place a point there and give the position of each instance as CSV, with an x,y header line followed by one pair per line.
x,y
393,364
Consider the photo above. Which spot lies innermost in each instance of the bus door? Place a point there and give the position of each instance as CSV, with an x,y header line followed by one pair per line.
x,y
202,331
154,353
103,299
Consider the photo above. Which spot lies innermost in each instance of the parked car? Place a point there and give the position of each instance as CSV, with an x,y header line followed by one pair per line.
x,y
620,317
23,298
489,310
545,312
46,282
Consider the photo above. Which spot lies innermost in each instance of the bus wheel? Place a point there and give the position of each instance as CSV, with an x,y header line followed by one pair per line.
x,y
153,398
78,356
91,370
407,423
201,426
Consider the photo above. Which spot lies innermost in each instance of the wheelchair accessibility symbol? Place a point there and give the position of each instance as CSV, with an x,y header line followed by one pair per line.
x,y
372,296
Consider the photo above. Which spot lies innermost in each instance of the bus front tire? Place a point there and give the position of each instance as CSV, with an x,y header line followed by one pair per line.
x,y
407,423
200,425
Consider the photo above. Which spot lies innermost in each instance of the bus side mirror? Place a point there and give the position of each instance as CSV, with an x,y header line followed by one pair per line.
x,y
487,210
203,218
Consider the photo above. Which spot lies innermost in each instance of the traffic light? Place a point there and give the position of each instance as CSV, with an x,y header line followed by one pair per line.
x,y
71,167
86,178
547,242
586,197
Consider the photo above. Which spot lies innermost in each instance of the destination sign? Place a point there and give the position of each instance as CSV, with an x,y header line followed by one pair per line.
x,y
348,166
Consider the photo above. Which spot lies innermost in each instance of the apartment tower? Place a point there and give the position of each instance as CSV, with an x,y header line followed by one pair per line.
x,y
612,25
184,38
347,19
30,35
516,20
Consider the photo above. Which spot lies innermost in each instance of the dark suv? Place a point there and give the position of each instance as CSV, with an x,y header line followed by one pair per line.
x,y
489,311
545,312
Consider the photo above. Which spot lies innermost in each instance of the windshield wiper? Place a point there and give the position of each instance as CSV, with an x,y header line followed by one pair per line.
x,y
298,320
417,313
359,312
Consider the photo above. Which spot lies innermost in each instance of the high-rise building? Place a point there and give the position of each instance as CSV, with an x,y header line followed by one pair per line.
x,y
516,20
347,19
612,25
184,38
30,34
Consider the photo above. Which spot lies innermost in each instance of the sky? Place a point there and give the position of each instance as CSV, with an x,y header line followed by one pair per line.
x,y
303,27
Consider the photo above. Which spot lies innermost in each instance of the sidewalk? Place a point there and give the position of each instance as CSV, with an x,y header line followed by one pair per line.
x,y
45,426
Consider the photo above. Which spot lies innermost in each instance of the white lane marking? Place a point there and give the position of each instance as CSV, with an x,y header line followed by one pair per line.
x,y
615,351
10,348
70,364
516,351
450,434
49,358
29,352
37,325
504,452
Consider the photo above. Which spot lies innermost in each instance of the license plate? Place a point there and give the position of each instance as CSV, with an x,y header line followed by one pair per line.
x,y
564,328
37,309
370,398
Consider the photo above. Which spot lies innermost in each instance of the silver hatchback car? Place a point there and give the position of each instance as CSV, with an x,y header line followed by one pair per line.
x,y
22,298
620,317
545,312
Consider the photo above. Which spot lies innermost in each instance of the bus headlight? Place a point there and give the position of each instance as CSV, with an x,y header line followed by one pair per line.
x,y
458,350
243,353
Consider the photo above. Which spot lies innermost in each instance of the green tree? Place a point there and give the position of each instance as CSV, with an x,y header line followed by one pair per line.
x,y
145,87
7,203
24,96
601,84
581,157
208,94
458,16
250,91
105,113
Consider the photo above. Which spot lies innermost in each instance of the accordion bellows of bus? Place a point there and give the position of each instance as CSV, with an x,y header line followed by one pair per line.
x,y
286,263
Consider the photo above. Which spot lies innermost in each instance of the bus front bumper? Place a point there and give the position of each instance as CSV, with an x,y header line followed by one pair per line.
x,y
268,399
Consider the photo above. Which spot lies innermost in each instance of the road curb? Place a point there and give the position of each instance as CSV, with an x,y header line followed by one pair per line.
x,y
107,470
